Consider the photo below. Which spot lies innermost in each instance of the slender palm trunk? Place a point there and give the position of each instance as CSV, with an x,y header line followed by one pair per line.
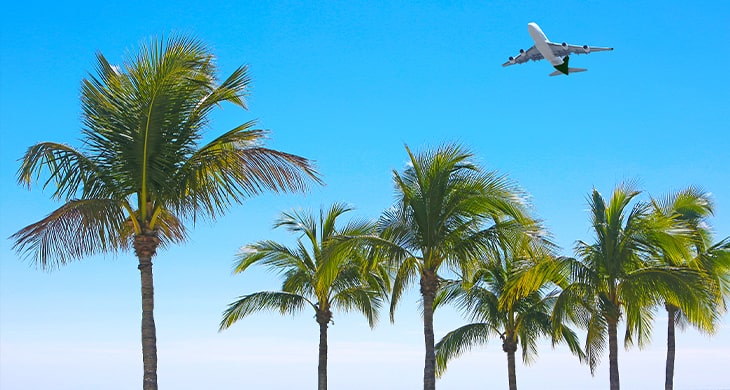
x,y
510,347
671,316
429,285
145,246
323,319
613,353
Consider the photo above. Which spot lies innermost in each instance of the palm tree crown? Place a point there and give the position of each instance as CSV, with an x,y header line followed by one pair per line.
x,y
330,268
141,168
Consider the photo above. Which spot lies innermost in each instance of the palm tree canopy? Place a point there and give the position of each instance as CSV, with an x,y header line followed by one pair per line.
x,y
330,268
141,168
618,274
484,299
693,208
444,205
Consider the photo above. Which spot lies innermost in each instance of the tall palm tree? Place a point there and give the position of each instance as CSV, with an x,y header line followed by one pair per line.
x,y
618,275
332,269
518,322
693,207
441,218
141,170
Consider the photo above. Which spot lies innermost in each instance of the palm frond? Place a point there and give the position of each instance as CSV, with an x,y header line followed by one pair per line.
x,y
272,254
235,166
458,341
285,303
406,274
77,229
69,169
596,338
366,300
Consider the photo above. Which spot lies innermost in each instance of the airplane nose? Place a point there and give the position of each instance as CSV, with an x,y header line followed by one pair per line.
x,y
535,32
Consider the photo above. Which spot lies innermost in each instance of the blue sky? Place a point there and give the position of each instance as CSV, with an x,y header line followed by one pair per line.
x,y
348,85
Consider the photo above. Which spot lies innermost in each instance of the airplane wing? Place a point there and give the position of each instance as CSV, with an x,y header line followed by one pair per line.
x,y
563,49
524,56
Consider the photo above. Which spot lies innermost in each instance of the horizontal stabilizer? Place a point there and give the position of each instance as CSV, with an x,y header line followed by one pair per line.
x,y
570,70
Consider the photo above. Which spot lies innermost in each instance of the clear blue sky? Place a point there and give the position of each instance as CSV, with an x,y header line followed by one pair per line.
x,y
348,85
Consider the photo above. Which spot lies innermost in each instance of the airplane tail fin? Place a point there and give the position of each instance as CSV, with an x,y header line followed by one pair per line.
x,y
570,70
564,69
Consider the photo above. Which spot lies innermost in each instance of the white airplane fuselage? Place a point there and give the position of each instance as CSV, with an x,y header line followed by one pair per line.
x,y
541,44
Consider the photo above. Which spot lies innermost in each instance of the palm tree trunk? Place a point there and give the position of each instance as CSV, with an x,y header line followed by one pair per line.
x,y
145,246
613,354
671,316
429,285
323,319
510,347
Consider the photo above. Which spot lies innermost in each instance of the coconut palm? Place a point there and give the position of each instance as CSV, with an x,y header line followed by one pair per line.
x,y
618,276
693,207
141,170
330,268
441,219
517,322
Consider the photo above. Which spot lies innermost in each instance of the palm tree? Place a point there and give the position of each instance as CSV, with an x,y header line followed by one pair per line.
x,y
618,275
332,269
694,207
518,321
141,171
444,203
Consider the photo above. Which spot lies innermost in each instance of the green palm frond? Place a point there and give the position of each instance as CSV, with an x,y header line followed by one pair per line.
x,y
396,238
596,337
283,302
716,262
300,281
564,334
235,166
406,274
681,287
327,220
556,270
690,205
232,90
300,222
450,291
532,325
69,170
273,255
363,299
458,341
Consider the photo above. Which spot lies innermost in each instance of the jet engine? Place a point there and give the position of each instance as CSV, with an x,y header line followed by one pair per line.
x,y
564,45
522,51
586,49
511,60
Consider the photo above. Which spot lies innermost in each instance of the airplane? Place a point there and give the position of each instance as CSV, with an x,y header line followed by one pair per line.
x,y
557,53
